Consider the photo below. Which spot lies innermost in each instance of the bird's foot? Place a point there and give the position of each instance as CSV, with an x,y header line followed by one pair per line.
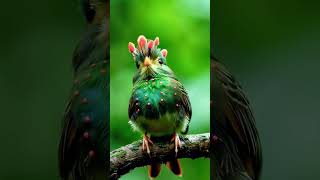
x,y
145,143
177,142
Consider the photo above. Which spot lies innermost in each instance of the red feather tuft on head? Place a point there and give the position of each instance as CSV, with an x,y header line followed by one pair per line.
x,y
150,44
131,47
142,41
156,41
164,52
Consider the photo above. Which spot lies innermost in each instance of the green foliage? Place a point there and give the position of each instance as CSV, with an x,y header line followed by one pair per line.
x,y
184,30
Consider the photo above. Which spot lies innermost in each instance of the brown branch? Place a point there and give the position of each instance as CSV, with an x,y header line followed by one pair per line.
x,y
126,158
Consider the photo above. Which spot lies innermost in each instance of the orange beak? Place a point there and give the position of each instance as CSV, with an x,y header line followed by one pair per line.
x,y
147,62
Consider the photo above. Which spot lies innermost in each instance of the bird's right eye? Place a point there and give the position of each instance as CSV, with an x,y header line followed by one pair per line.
x,y
160,61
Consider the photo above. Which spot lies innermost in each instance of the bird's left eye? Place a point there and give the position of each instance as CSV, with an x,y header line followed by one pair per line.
x,y
160,61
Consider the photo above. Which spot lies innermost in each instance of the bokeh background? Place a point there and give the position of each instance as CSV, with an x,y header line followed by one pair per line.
x,y
272,47
37,41
183,27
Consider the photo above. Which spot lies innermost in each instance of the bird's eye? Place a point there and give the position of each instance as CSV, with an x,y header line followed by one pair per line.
x,y
160,61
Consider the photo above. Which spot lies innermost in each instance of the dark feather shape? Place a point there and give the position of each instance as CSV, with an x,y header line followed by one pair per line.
x,y
187,110
76,160
239,147
84,147
68,147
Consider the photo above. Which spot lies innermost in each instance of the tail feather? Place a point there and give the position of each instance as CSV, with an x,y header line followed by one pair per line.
x,y
175,167
154,170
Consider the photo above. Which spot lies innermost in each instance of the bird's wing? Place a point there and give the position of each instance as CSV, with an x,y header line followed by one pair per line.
x,y
81,118
69,144
187,108
234,119
131,109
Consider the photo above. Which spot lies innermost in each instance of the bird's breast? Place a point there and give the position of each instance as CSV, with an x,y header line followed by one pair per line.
x,y
156,97
155,105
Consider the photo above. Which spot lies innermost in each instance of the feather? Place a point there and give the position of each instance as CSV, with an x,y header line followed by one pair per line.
x,y
154,170
234,123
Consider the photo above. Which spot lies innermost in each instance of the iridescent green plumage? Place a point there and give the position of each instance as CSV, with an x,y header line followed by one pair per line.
x,y
159,105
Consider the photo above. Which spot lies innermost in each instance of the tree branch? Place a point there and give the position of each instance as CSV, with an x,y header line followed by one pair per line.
x,y
128,157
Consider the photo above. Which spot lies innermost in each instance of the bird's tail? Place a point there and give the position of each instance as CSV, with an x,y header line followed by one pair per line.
x,y
175,167
154,170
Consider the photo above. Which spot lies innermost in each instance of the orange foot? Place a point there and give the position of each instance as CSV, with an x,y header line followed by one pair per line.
x,y
177,142
145,143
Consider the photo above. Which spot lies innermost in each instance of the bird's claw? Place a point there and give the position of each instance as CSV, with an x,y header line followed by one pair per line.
x,y
145,143
177,143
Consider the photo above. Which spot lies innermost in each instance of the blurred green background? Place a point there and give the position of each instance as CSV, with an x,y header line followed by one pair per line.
x,y
185,32
37,41
272,47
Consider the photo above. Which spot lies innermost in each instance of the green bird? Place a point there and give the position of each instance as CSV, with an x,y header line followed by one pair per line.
x,y
237,153
159,106
84,143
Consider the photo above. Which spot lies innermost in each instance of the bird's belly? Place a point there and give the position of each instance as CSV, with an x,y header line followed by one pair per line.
x,y
165,125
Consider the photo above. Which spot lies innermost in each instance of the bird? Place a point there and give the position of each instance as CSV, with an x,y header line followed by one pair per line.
x,y
236,147
159,106
83,152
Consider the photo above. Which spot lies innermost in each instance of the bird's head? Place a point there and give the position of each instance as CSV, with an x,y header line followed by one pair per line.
x,y
149,59
96,11
94,45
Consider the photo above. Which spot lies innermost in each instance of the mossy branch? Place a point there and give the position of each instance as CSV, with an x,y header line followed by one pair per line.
x,y
126,158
